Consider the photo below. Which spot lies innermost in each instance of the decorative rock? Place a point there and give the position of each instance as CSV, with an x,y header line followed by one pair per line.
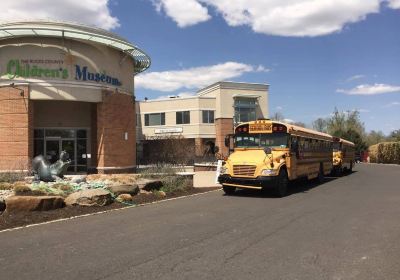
x,y
129,189
145,192
78,179
33,203
95,197
161,194
2,205
125,197
149,184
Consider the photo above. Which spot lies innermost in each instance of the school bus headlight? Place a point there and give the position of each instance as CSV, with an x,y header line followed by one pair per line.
x,y
268,172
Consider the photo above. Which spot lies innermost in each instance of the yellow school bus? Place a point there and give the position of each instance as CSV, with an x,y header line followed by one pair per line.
x,y
343,155
269,154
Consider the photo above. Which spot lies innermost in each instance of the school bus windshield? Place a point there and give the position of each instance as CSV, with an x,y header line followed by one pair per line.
x,y
244,140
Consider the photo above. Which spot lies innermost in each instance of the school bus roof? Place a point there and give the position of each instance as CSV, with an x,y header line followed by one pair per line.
x,y
344,141
299,131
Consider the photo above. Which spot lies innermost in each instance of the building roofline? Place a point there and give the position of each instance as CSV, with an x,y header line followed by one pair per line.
x,y
75,31
174,99
233,85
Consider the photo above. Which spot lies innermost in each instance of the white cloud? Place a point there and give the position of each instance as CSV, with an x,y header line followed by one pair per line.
x,y
193,78
91,12
394,4
279,108
276,17
184,13
355,77
395,103
367,89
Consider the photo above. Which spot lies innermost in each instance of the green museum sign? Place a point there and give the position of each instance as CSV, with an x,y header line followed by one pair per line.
x,y
16,69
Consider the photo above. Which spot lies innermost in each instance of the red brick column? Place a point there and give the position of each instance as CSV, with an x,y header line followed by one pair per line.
x,y
223,127
115,117
16,128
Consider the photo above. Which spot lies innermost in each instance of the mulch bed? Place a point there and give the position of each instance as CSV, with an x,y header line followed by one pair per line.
x,y
12,220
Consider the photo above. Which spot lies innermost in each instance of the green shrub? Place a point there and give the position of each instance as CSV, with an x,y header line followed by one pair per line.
x,y
157,170
176,183
6,186
20,189
11,177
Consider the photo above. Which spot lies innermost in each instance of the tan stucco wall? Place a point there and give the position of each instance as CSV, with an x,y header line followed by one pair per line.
x,y
53,53
218,97
170,106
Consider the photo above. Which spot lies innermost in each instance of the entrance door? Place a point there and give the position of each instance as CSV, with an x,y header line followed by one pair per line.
x,y
69,147
52,150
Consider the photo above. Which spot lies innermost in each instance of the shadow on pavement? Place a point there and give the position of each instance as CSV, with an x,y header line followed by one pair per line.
x,y
296,186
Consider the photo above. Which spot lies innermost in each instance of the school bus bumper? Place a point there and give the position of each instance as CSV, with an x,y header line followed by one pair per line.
x,y
260,182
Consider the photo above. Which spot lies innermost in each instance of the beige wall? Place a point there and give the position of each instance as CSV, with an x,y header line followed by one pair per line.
x,y
225,93
218,97
170,106
53,53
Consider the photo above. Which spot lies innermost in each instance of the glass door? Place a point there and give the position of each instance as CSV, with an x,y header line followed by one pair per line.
x,y
52,150
68,145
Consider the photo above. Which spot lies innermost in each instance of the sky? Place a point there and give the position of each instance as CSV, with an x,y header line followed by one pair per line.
x,y
315,55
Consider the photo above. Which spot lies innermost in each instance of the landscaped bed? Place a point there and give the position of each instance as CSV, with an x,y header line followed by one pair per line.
x,y
17,219
25,202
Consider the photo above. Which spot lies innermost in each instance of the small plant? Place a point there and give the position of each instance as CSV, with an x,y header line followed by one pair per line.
x,y
20,189
159,169
6,186
175,183
63,187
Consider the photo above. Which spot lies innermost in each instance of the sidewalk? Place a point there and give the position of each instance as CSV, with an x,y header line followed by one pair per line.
x,y
203,179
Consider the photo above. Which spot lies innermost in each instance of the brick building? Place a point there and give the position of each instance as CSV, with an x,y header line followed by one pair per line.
x,y
200,120
67,87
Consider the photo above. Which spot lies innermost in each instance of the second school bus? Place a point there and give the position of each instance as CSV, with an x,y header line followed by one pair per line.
x,y
268,154
343,155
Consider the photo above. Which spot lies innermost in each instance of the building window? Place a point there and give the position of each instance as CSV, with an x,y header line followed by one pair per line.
x,y
208,116
154,119
245,109
183,117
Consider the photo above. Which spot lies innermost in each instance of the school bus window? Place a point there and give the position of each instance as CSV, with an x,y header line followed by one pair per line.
x,y
279,140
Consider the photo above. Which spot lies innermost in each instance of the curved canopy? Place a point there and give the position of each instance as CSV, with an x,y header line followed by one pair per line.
x,y
77,32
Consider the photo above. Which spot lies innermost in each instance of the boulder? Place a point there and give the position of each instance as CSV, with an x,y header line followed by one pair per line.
x,y
33,203
125,197
95,197
2,205
77,179
149,184
122,189
161,194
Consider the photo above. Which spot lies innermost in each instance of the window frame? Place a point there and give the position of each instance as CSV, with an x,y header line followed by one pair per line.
x,y
182,117
206,114
147,119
